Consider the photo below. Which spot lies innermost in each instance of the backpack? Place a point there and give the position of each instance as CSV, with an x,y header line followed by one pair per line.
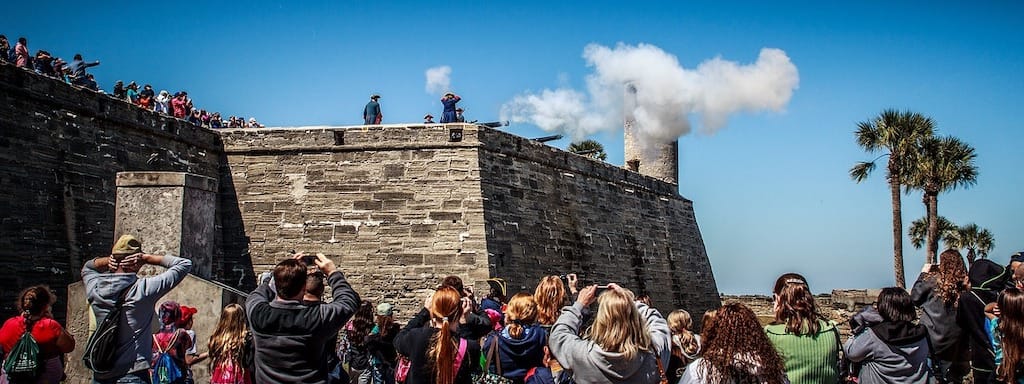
x,y
165,369
22,363
101,350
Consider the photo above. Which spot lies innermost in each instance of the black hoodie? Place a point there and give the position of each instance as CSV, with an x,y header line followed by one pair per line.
x,y
987,279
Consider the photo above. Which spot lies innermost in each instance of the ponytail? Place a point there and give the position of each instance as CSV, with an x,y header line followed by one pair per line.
x,y
446,306
442,353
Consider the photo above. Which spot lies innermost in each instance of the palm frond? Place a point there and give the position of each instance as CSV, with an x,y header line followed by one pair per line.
x,y
862,170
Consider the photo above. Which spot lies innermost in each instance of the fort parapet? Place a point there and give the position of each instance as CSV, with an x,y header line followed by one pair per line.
x,y
396,206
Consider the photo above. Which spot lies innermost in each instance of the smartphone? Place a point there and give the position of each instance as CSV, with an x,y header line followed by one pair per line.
x,y
309,259
600,288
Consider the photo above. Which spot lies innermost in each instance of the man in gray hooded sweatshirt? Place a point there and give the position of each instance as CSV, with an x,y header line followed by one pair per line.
x,y
106,277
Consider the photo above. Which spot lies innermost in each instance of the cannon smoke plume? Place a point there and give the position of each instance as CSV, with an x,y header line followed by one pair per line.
x,y
439,79
666,93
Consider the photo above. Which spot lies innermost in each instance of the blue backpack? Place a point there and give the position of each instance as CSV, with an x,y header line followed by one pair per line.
x,y
165,369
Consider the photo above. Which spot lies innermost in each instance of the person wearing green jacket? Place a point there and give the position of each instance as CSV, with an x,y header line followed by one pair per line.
x,y
808,343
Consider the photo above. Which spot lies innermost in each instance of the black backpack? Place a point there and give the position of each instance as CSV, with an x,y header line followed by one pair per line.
x,y
101,351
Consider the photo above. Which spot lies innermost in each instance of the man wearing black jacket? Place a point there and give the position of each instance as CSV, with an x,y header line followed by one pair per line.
x,y
291,337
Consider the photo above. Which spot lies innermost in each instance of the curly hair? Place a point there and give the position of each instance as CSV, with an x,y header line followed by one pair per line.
x,y
950,277
549,295
795,306
34,300
1011,333
738,351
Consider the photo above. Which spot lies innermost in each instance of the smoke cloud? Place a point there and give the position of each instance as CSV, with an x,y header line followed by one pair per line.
x,y
439,79
667,96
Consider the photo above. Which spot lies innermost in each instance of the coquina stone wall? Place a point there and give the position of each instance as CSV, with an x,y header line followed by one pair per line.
x,y
400,207
397,207
551,212
60,148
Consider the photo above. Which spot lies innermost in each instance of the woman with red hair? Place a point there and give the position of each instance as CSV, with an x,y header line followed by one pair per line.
x,y
436,354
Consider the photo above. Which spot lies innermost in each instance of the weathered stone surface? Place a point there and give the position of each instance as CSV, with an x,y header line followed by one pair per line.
x,y
60,148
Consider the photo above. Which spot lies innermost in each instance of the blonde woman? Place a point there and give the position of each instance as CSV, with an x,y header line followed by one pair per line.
x,y
628,342
520,345
685,344
228,348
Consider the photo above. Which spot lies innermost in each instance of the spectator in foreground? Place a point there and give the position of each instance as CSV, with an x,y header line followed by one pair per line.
x,y
808,344
107,278
35,304
290,337
230,346
686,345
380,345
436,354
985,278
521,344
736,350
1007,330
937,293
173,340
895,350
628,342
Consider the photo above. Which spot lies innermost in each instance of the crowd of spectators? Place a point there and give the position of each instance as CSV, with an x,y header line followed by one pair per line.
x,y
178,105
287,332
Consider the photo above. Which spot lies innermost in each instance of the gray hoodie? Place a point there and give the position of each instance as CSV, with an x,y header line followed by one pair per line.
x,y
892,353
592,365
135,341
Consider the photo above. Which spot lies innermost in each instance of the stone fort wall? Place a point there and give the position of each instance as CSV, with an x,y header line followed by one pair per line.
x,y
397,207
60,148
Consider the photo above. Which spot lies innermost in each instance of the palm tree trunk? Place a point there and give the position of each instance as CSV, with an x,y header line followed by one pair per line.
x,y
897,230
932,203
970,256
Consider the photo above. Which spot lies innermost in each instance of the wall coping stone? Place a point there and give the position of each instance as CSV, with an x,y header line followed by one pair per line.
x,y
166,179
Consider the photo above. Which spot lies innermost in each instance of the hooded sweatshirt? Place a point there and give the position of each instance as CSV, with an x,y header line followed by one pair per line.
x,y
517,355
891,352
593,365
940,319
987,278
135,342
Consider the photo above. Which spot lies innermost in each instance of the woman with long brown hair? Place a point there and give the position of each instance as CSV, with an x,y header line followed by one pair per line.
x,y
520,344
229,348
628,342
807,342
736,350
937,293
1008,336
35,304
436,354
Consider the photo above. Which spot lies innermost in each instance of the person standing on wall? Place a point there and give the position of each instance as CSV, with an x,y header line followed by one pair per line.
x,y
449,100
371,112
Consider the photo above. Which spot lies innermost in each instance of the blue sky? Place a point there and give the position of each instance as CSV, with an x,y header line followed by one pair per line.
x,y
770,189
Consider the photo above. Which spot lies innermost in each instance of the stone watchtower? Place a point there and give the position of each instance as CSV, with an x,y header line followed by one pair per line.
x,y
661,160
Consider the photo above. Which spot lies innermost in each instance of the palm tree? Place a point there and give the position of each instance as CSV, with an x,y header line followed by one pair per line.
x,y
976,240
898,134
589,148
918,232
942,164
